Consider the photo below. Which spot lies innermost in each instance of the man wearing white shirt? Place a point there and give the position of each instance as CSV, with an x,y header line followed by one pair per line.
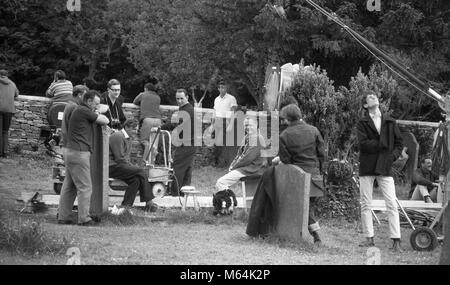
x,y
380,144
224,106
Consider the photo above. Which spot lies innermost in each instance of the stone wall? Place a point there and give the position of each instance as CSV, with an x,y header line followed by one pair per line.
x,y
31,117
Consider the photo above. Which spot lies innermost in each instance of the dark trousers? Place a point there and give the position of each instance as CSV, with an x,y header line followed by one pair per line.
x,y
5,123
137,180
182,167
312,210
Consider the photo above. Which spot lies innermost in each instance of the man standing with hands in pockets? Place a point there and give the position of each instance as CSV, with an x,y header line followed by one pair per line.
x,y
380,144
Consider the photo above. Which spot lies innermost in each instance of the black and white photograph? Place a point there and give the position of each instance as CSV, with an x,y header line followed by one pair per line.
x,y
226,140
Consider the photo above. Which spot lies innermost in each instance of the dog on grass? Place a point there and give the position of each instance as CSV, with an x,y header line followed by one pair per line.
x,y
224,202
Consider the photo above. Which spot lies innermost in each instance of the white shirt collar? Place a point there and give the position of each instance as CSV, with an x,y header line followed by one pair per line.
x,y
125,133
377,114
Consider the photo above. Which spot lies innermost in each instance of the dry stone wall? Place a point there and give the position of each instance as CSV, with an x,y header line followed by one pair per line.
x,y
31,117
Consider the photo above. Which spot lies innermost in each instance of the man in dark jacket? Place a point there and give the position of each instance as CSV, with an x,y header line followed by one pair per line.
x,y
8,93
114,100
183,137
425,183
380,144
248,160
121,168
302,145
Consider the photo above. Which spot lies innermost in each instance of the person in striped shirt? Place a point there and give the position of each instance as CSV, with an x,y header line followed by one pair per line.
x,y
61,89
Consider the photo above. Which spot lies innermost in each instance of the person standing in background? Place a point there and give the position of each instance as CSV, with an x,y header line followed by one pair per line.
x,y
150,117
8,93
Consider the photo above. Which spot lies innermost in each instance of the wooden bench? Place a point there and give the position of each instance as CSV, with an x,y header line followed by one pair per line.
x,y
380,205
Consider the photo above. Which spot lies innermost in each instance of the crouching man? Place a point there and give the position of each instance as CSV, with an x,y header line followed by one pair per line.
x,y
120,167
248,161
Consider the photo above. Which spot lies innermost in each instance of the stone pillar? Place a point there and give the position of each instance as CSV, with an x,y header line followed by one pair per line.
x,y
100,171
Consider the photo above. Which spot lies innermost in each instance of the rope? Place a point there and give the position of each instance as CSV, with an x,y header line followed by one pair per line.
x,y
335,19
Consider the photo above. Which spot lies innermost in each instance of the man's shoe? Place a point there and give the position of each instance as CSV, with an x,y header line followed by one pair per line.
x,y
427,199
65,222
396,247
317,240
367,243
89,223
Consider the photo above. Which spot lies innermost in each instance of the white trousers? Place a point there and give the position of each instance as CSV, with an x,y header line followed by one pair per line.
x,y
387,186
421,191
228,180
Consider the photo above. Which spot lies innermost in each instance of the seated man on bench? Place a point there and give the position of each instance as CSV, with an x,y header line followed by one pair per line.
x,y
120,167
425,183
248,162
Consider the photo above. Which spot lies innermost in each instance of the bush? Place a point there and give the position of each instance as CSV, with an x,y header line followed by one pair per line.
x,y
340,200
28,238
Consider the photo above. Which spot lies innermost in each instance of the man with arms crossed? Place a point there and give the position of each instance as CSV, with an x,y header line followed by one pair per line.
x,y
78,149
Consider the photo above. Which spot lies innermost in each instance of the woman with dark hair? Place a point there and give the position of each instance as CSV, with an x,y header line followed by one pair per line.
x,y
61,89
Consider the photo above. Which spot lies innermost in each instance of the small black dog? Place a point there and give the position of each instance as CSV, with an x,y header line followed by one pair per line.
x,y
224,202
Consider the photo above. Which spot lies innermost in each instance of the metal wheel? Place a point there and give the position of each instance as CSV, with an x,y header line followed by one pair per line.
x,y
423,239
159,190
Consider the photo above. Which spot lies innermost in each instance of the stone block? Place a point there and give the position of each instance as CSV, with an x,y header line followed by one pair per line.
x,y
292,201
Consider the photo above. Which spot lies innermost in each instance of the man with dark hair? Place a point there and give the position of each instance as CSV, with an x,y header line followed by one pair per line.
x,y
224,106
150,118
61,89
425,183
77,98
78,149
114,100
380,144
185,151
302,145
8,93
121,168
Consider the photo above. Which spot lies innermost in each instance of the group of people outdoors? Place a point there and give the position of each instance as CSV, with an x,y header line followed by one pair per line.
x,y
86,108
300,144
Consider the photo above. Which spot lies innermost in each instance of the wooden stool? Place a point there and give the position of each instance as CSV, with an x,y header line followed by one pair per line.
x,y
248,186
190,190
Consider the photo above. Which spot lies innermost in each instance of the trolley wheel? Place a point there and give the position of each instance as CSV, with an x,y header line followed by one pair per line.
x,y
159,190
423,239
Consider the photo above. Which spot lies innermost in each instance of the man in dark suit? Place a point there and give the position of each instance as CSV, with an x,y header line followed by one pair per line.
x,y
380,144
183,137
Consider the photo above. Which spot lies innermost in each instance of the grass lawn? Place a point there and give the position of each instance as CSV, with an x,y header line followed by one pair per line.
x,y
189,237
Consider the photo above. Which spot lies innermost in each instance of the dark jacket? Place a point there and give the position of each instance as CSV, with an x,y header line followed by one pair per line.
x,y
248,159
262,217
377,152
181,139
115,110
423,177
302,144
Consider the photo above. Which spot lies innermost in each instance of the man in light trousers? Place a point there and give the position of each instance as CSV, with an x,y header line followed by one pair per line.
x,y
380,145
